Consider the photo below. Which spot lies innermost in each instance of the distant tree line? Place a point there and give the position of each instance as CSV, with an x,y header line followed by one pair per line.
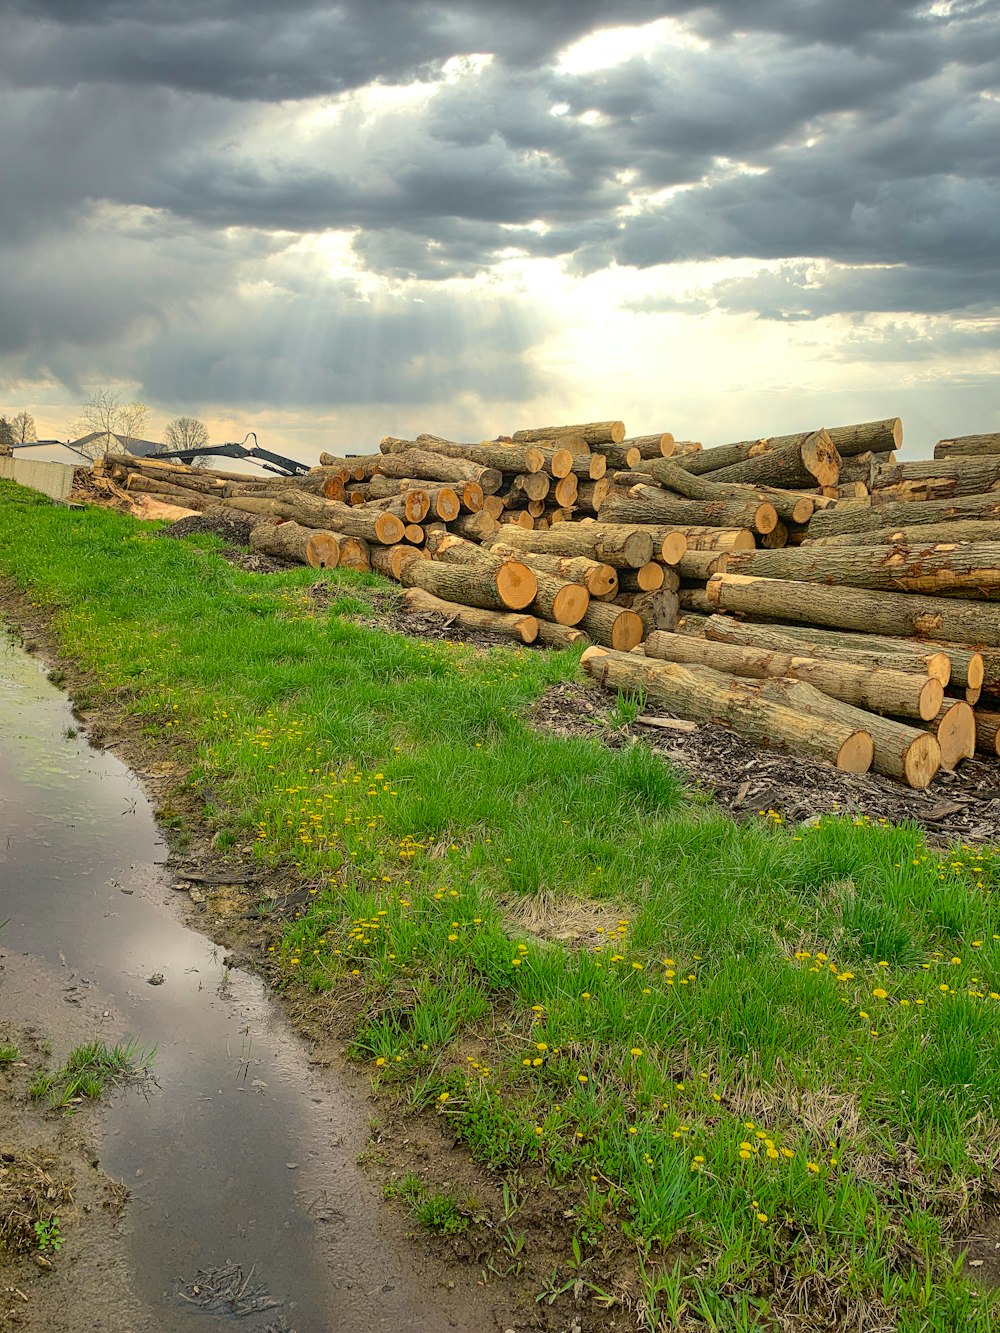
x,y
108,423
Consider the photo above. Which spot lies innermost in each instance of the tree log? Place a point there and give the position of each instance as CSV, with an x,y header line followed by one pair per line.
x,y
987,530
513,625
789,507
426,466
493,584
623,546
704,695
969,446
972,568
987,731
565,491
874,689
701,565
291,541
477,527
648,504
532,485
651,446
657,610
861,518
591,495
955,730
647,578
594,432
614,626
803,460
694,599
560,636
943,479
389,560
599,579
897,614
557,600
490,453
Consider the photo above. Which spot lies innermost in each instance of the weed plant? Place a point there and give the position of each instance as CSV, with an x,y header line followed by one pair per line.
x,y
767,1057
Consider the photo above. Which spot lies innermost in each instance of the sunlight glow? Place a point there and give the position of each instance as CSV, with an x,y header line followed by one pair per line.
x,y
613,46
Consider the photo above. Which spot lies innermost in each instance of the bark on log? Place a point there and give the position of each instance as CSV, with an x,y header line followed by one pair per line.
x,y
701,565
790,508
681,448
969,446
599,579
565,491
647,578
426,466
648,504
897,614
777,539
477,527
560,636
562,602
177,495
490,454
704,695
291,541
715,539
512,625
972,568
594,432
623,546
944,479
987,731
694,599
874,689
591,495
493,584
560,462
532,485
801,461
651,446
987,530
614,626
411,506
867,650
862,518
618,455
657,610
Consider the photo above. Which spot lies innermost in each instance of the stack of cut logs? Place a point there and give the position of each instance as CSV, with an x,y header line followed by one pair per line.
x,y
805,590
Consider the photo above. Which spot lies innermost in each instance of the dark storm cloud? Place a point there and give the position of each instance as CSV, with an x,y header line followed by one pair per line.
x,y
154,152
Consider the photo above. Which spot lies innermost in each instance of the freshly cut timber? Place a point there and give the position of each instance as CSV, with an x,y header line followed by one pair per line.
x,y
513,625
623,546
493,584
181,495
477,527
599,579
703,695
426,466
389,560
859,518
987,732
560,462
411,506
877,690
701,565
355,553
565,491
804,460
559,601
715,539
560,636
591,495
807,640
790,507
651,446
897,614
969,530
648,578
776,539
594,432
350,520
657,610
490,453
955,729
969,567
694,599
614,626
619,455
291,541
867,436
649,504
969,446
533,485
939,480
681,447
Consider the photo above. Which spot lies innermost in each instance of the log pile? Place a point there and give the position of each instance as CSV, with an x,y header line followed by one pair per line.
x,y
806,590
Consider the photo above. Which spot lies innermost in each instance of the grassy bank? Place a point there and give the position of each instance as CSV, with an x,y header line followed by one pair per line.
x,y
768,1056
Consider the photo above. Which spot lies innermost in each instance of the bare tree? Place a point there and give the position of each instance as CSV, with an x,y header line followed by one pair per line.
x,y
113,423
185,433
22,427
6,436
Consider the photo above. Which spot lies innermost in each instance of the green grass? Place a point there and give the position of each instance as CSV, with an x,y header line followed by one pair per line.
x,y
9,1055
767,1057
89,1070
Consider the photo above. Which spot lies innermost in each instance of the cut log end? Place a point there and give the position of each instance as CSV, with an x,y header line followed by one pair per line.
x,y
931,699
516,585
570,603
674,547
921,761
857,753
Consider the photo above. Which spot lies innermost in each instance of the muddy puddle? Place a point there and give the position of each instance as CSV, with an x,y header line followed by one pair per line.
x,y
240,1153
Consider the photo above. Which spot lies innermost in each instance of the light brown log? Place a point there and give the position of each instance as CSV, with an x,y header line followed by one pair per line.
x,y
701,565
591,495
490,453
411,506
715,539
559,462
969,446
177,495
618,455
875,689
693,598
657,610
680,448
557,600
492,505
477,527
623,546
493,584
599,579
799,461
942,479
532,485
291,541
703,695
426,466
594,432
972,568
775,540
649,504
389,560
614,626
861,518
987,731
898,614
560,636
512,625
867,650
519,518
647,578
565,491
955,729
988,530
789,507
651,446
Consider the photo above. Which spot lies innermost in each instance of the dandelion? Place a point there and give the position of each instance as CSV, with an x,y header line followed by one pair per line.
x,y
762,1217
444,1097
636,1051
582,1078
880,994
811,1166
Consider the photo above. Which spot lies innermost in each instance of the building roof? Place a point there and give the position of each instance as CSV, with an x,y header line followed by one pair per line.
x,y
50,451
138,448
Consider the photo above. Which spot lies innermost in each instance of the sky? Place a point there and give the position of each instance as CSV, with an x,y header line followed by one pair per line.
x,y
331,222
